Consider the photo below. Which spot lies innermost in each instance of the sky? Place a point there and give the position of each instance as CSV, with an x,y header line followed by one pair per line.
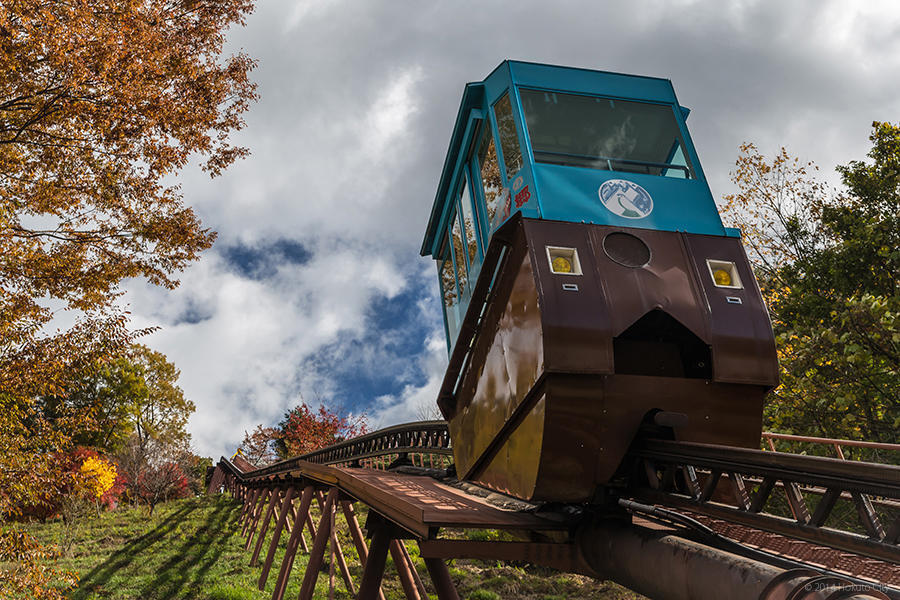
x,y
315,290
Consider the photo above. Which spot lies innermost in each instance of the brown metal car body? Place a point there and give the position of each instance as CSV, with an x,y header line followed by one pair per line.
x,y
564,368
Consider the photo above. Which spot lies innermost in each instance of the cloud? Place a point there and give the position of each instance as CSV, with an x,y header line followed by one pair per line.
x,y
315,286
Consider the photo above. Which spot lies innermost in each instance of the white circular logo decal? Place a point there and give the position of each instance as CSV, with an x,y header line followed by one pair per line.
x,y
625,199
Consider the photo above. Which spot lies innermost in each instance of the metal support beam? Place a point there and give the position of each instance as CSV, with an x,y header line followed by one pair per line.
x,y
404,571
288,561
275,500
251,508
415,574
374,569
317,554
276,536
440,577
254,521
358,538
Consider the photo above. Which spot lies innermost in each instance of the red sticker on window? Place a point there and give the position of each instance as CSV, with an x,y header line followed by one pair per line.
x,y
522,197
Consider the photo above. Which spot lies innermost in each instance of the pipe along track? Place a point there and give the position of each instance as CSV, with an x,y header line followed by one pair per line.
x,y
683,521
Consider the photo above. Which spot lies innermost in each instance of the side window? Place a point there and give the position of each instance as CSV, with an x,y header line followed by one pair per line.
x,y
470,226
459,254
509,139
491,181
448,289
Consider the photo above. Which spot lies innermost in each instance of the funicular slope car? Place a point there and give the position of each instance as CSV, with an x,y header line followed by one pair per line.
x,y
588,284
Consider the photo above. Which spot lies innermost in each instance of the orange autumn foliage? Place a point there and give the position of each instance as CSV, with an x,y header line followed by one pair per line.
x,y
102,102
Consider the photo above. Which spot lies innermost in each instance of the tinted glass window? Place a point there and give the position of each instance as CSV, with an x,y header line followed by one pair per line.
x,y
448,290
509,139
491,181
465,203
459,254
603,133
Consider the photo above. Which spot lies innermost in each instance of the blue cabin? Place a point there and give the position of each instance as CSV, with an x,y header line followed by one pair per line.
x,y
563,144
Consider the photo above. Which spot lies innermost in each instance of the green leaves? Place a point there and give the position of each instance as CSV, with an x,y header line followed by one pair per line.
x,y
829,267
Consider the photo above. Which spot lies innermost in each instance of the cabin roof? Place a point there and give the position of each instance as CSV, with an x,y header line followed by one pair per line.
x,y
481,94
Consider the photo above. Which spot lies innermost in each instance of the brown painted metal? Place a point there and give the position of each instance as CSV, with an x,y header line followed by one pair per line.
x,y
274,501
243,464
291,550
317,554
415,574
249,507
373,572
291,520
837,561
419,506
357,535
421,503
684,569
404,571
244,504
276,536
836,443
440,578
265,499
544,412
216,481
255,507
830,477
335,545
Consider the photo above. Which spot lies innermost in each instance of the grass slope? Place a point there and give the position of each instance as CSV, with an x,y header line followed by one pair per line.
x,y
192,549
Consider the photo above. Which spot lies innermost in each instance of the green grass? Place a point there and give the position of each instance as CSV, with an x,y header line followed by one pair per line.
x,y
192,549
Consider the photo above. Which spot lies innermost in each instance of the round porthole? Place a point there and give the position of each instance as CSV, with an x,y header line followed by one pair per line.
x,y
626,249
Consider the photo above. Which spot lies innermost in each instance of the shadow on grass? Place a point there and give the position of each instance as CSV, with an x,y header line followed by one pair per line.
x,y
190,563
174,572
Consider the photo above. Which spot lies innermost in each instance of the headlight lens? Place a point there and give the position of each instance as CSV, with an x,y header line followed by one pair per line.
x,y
722,277
561,265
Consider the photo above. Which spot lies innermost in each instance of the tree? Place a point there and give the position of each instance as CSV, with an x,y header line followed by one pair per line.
x,y
302,430
159,409
152,472
136,393
102,102
258,448
829,267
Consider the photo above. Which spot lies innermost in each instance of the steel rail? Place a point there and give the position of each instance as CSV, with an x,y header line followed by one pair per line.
x,y
736,484
789,437
425,437
687,475
869,478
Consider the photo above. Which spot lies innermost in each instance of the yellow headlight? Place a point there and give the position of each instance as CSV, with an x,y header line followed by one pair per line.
x,y
722,277
561,265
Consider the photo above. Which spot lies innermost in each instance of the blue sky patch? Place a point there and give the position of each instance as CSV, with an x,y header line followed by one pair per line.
x,y
261,262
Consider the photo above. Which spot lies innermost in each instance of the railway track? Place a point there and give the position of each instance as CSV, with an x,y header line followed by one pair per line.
x,y
776,509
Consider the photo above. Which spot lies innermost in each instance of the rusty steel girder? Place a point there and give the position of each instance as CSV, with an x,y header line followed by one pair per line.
x,y
663,566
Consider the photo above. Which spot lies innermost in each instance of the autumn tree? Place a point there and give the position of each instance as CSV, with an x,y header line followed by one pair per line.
x,y
303,430
258,447
102,102
829,266
153,471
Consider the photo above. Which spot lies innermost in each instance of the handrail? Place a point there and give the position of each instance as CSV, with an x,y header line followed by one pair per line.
x,y
836,443
426,437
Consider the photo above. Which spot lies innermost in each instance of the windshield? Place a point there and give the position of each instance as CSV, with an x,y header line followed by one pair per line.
x,y
604,133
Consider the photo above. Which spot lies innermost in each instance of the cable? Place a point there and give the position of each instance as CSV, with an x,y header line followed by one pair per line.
x,y
723,543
